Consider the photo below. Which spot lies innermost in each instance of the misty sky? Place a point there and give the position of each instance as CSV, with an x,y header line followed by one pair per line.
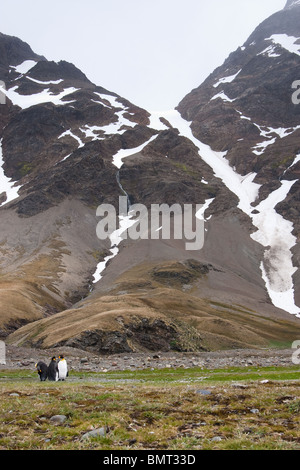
x,y
152,52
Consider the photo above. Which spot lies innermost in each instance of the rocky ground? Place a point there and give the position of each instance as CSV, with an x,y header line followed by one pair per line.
x,y
78,360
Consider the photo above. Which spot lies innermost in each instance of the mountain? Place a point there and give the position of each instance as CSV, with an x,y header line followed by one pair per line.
x,y
69,146
258,128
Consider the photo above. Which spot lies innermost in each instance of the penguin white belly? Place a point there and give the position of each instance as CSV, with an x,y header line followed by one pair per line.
x,y
62,370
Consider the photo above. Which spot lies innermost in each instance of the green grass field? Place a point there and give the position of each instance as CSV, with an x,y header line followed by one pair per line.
x,y
172,409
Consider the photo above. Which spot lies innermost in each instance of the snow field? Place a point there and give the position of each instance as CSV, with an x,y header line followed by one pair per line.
x,y
273,231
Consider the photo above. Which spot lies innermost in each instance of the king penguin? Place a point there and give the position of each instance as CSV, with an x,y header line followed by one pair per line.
x,y
42,369
62,368
53,370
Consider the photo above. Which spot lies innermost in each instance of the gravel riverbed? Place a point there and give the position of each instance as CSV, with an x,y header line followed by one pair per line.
x,y
78,360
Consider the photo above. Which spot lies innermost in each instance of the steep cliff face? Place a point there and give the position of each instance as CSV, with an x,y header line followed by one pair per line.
x,y
232,145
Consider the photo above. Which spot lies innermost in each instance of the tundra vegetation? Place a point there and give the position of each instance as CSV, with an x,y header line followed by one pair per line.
x,y
248,408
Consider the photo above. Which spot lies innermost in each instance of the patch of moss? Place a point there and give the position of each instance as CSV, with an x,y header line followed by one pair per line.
x,y
25,168
186,169
285,162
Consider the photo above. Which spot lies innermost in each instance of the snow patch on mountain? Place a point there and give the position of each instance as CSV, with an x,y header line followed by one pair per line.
x,y
286,42
91,131
242,186
119,126
122,123
261,147
50,82
201,212
268,134
101,266
113,100
45,96
227,79
125,222
280,298
270,52
6,184
71,134
223,97
24,67
155,121
273,231
123,153
297,159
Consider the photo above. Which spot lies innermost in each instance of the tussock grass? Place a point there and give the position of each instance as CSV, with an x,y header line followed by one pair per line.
x,y
180,409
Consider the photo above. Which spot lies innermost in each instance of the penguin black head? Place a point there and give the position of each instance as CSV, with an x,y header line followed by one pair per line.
x,y
61,356
53,358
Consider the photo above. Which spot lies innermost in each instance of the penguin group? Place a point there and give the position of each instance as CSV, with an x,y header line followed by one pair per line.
x,y
56,370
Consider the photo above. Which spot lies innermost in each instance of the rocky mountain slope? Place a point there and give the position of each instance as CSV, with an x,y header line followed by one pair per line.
x,y
68,146
246,110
